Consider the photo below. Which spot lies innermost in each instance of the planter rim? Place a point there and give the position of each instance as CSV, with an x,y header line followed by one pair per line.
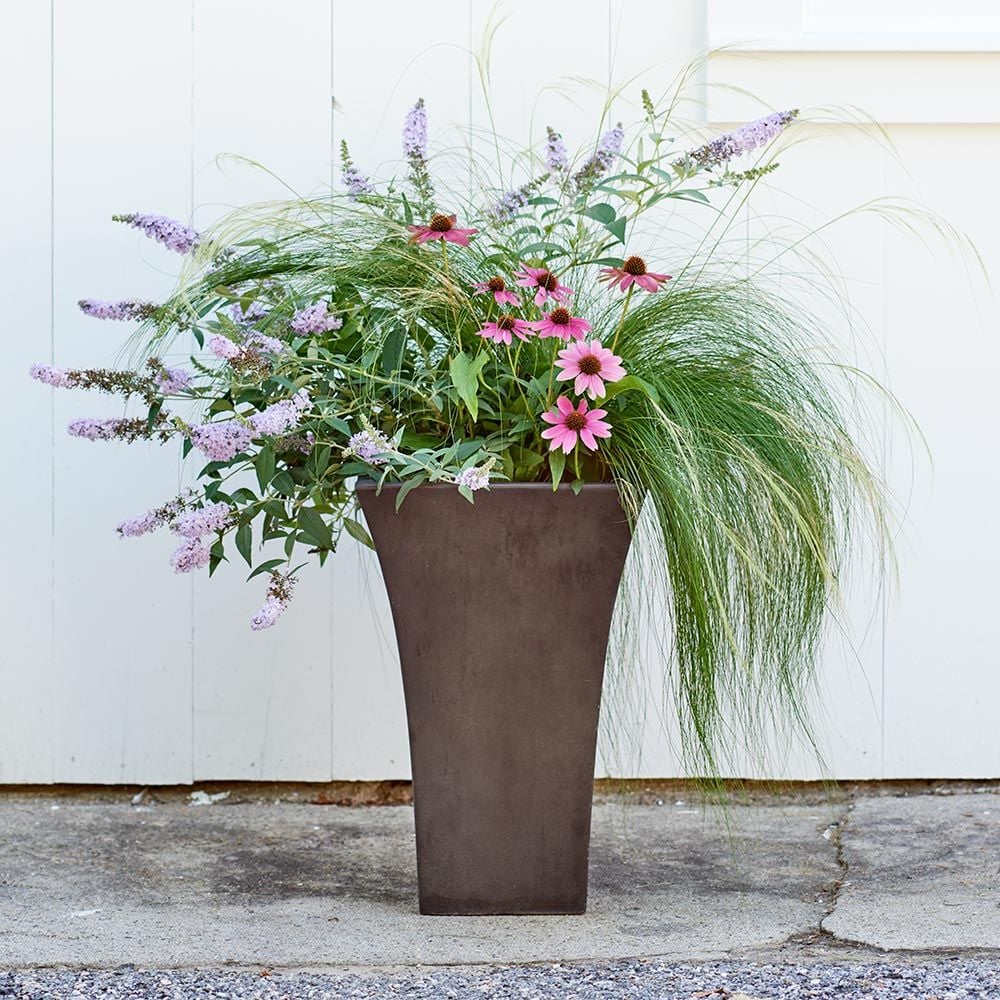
x,y
370,484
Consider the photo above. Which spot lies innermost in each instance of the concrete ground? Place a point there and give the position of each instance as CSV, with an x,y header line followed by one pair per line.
x,y
170,884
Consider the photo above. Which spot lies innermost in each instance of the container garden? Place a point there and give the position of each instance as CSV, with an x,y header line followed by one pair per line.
x,y
521,381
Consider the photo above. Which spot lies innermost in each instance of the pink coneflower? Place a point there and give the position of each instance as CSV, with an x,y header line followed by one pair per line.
x,y
559,323
441,227
591,365
497,287
571,423
503,327
633,271
544,282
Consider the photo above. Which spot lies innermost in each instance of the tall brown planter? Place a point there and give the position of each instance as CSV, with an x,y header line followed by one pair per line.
x,y
502,612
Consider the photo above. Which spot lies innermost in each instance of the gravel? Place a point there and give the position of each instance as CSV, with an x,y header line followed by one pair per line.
x,y
936,980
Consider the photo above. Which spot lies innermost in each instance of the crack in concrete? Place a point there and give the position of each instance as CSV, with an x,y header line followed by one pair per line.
x,y
837,829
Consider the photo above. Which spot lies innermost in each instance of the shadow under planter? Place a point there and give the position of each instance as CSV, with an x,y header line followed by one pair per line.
x,y
502,610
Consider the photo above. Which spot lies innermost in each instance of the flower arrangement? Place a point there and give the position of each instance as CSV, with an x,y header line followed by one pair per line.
x,y
398,331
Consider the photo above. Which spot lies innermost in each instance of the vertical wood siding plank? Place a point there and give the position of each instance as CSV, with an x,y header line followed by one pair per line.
x,y
26,737
262,91
122,140
382,64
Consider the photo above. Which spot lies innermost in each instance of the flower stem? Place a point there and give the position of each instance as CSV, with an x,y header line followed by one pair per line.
x,y
621,322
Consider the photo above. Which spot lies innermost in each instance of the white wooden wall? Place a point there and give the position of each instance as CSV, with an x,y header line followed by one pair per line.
x,y
114,670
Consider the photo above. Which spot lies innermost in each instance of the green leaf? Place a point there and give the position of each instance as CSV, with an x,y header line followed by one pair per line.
x,y
355,530
264,466
544,248
284,484
617,229
576,486
467,493
265,567
557,465
392,350
244,542
315,529
465,377
602,213
410,484
690,194
631,383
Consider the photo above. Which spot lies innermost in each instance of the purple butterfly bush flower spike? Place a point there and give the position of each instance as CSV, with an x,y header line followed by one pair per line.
x,y
743,140
354,180
279,594
415,131
58,378
192,554
174,235
609,148
208,519
282,416
131,309
254,311
134,527
221,441
172,380
556,158
316,318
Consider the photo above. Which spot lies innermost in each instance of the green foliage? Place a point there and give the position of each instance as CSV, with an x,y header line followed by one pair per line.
x,y
729,432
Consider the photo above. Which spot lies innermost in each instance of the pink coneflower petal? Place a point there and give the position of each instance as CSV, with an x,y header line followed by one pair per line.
x,y
590,365
545,282
504,328
497,287
571,424
441,227
633,271
559,323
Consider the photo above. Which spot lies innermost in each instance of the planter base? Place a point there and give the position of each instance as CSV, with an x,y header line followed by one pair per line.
x,y
502,611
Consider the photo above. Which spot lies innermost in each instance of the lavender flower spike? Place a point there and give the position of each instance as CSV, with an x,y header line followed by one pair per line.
x,y
172,234
171,380
357,183
119,428
608,149
743,140
369,445
475,478
133,527
58,378
191,555
556,158
316,318
124,309
208,519
279,594
415,131
221,441
282,416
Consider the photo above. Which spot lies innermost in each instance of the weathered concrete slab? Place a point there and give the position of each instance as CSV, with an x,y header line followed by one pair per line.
x,y
923,873
286,885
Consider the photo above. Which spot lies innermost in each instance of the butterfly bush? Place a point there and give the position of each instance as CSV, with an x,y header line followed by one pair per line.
x,y
397,333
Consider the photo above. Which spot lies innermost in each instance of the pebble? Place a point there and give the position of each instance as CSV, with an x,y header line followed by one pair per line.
x,y
941,979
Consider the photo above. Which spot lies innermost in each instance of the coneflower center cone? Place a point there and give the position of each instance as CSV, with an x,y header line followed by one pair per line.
x,y
496,285
559,316
589,365
635,266
439,223
575,421
506,322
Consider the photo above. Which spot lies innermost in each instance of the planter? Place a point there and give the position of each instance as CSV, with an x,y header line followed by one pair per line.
x,y
502,611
